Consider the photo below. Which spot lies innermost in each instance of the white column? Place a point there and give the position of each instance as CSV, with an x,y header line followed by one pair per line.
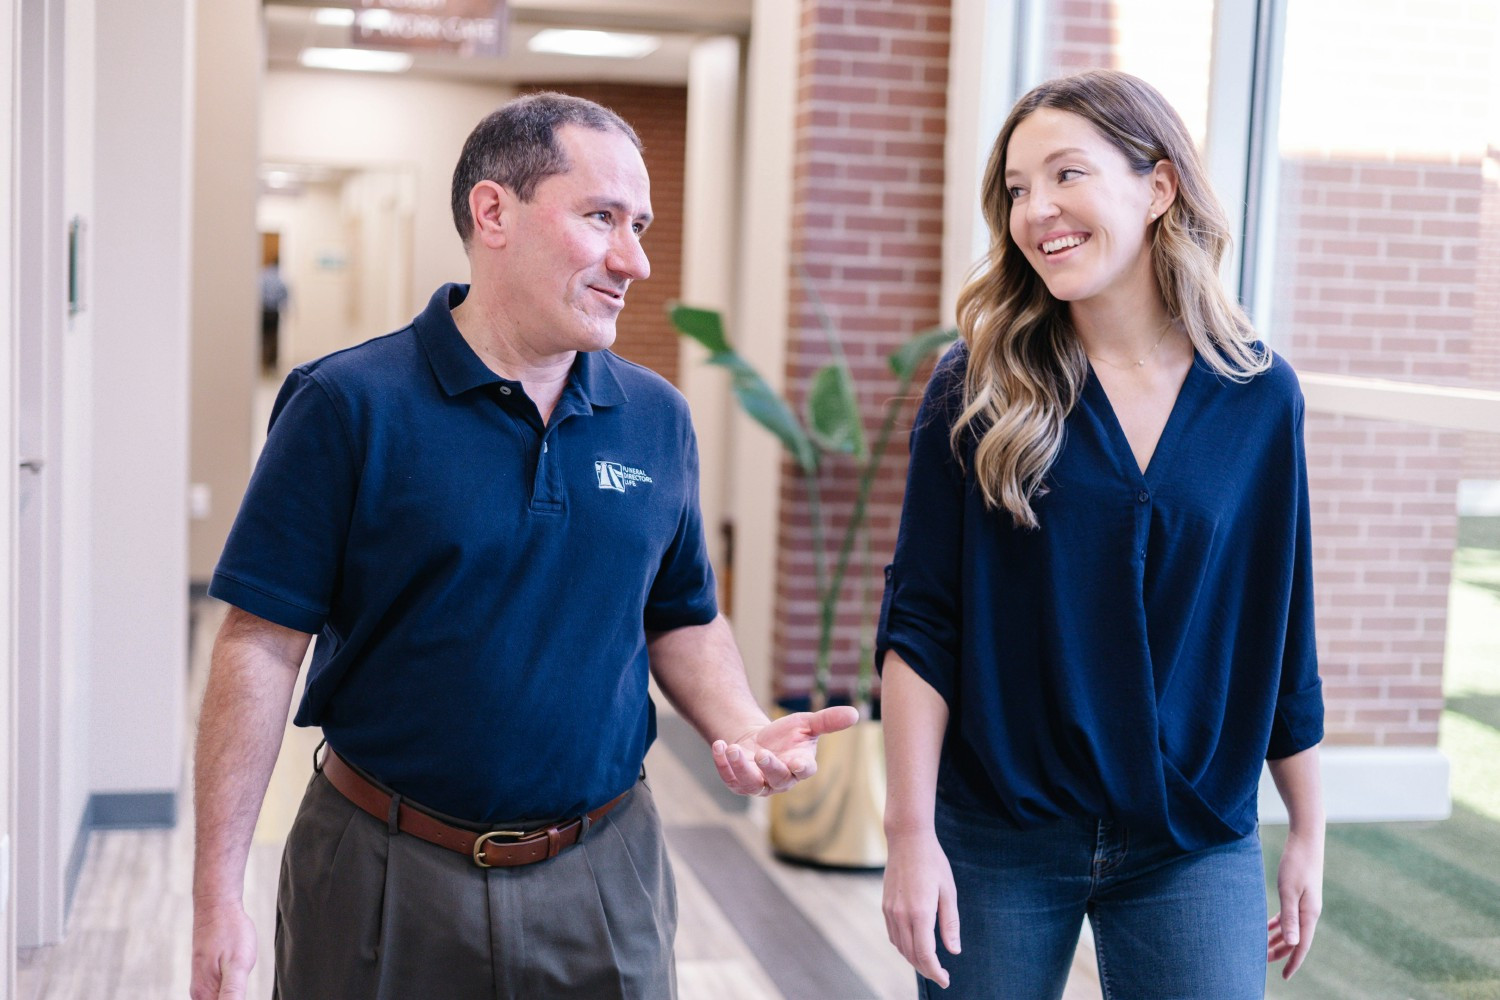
x,y
758,321
709,244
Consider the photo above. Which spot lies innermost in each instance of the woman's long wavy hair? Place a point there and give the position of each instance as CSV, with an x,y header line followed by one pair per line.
x,y
1026,367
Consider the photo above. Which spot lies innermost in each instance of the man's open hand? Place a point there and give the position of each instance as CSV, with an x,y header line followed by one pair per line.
x,y
779,754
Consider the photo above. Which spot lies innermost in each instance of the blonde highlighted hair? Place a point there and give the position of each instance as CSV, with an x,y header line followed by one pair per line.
x,y
1026,367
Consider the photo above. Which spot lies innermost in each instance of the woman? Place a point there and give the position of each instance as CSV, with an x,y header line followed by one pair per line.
x,y
1098,622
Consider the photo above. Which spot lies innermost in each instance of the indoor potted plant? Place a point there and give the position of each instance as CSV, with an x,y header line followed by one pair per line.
x,y
836,819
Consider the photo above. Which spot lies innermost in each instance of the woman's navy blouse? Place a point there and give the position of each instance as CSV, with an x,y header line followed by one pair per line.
x,y
1140,654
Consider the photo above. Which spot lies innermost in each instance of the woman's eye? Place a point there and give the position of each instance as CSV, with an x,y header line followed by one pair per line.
x,y
1068,173
1015,192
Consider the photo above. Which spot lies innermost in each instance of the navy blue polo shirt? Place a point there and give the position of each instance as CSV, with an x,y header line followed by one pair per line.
x,y
1141,653
480,584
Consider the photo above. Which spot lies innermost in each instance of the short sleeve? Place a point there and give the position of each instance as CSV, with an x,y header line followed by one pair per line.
x,y
282,559
1298,720
682,593
921,610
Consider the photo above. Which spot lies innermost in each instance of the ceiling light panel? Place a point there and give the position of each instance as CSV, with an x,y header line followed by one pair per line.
x,y
599,44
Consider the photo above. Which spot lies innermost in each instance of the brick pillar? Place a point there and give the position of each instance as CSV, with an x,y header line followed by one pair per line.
x,y
866,235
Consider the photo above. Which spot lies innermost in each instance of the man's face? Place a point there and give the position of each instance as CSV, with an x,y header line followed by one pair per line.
x,y
575,248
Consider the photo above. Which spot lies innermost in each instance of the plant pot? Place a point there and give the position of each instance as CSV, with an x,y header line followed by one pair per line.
x,y
837,817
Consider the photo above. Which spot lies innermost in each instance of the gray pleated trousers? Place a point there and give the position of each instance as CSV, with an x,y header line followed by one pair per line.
x,y
366,915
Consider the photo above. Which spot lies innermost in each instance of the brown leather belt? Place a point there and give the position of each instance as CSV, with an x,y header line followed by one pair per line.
x,y
489,850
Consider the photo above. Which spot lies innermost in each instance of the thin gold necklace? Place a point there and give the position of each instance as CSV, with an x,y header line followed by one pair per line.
x,y
1142,362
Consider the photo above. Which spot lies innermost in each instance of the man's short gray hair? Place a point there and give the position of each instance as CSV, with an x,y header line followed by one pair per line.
x,y
517,148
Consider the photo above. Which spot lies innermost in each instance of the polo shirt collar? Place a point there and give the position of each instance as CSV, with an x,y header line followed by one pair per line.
x,y
458,369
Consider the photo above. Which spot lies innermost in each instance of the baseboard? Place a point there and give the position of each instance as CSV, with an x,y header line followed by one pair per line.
x,y
1374,785
132,810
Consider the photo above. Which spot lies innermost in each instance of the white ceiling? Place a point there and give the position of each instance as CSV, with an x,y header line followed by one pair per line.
x,y
680,24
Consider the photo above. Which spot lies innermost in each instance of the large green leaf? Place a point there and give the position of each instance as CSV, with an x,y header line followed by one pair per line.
x,y
910,356
833,412
705,326
771,412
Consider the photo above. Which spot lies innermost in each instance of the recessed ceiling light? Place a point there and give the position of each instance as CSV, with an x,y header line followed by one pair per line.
x,y
357,60
337,16
604,44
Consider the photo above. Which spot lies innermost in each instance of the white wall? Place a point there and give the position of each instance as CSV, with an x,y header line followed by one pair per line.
x,y
374,121
142,187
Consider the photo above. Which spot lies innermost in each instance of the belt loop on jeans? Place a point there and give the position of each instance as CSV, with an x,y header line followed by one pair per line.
x,y
393,816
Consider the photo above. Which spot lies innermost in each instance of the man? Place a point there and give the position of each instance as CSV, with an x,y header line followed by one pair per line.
x,y
492,524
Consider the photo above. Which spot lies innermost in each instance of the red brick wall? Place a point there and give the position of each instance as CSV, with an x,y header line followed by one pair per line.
x,y
659,117
867,235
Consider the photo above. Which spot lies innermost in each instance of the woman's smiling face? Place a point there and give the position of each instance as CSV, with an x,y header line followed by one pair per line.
x,y
1079,213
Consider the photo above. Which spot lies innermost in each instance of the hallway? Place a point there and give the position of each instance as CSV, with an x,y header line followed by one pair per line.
x,y
751,928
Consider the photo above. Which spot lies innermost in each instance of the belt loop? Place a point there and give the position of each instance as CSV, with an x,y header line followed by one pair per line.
x,y
317,764
584,822
393,819
554,842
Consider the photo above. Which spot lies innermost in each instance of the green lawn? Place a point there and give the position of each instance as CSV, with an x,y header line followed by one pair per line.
x,y
1412,910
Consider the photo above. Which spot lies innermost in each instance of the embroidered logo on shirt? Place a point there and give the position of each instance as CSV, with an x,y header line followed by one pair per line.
x,y
614,476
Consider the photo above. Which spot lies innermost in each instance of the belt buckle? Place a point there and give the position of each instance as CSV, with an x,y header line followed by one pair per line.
x,y
483,840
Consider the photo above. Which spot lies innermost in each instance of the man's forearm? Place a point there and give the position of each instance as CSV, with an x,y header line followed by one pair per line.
x,y
700,670
254,670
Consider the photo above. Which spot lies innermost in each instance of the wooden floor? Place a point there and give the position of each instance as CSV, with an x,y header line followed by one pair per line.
x,y
751,927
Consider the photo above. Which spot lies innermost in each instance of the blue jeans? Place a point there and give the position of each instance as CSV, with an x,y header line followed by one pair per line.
x,y
1167,925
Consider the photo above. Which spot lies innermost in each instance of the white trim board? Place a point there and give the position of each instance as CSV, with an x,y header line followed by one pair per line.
x,y
1373,785
1452,407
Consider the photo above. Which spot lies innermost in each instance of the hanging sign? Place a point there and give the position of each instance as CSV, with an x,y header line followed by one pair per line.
x,y
463,27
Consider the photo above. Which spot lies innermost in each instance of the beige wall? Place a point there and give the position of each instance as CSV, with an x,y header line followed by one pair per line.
x,y
349,121
226,261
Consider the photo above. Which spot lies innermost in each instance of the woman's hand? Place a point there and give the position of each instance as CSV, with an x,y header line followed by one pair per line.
x,y
1299,881
919,895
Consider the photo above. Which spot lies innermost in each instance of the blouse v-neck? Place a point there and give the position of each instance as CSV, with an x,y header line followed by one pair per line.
x,y
1098,397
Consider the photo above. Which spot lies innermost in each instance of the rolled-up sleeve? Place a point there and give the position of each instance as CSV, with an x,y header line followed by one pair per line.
x,y
921,611
1298,721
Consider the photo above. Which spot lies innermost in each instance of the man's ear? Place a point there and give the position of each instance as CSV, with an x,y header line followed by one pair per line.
x,y
490,206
